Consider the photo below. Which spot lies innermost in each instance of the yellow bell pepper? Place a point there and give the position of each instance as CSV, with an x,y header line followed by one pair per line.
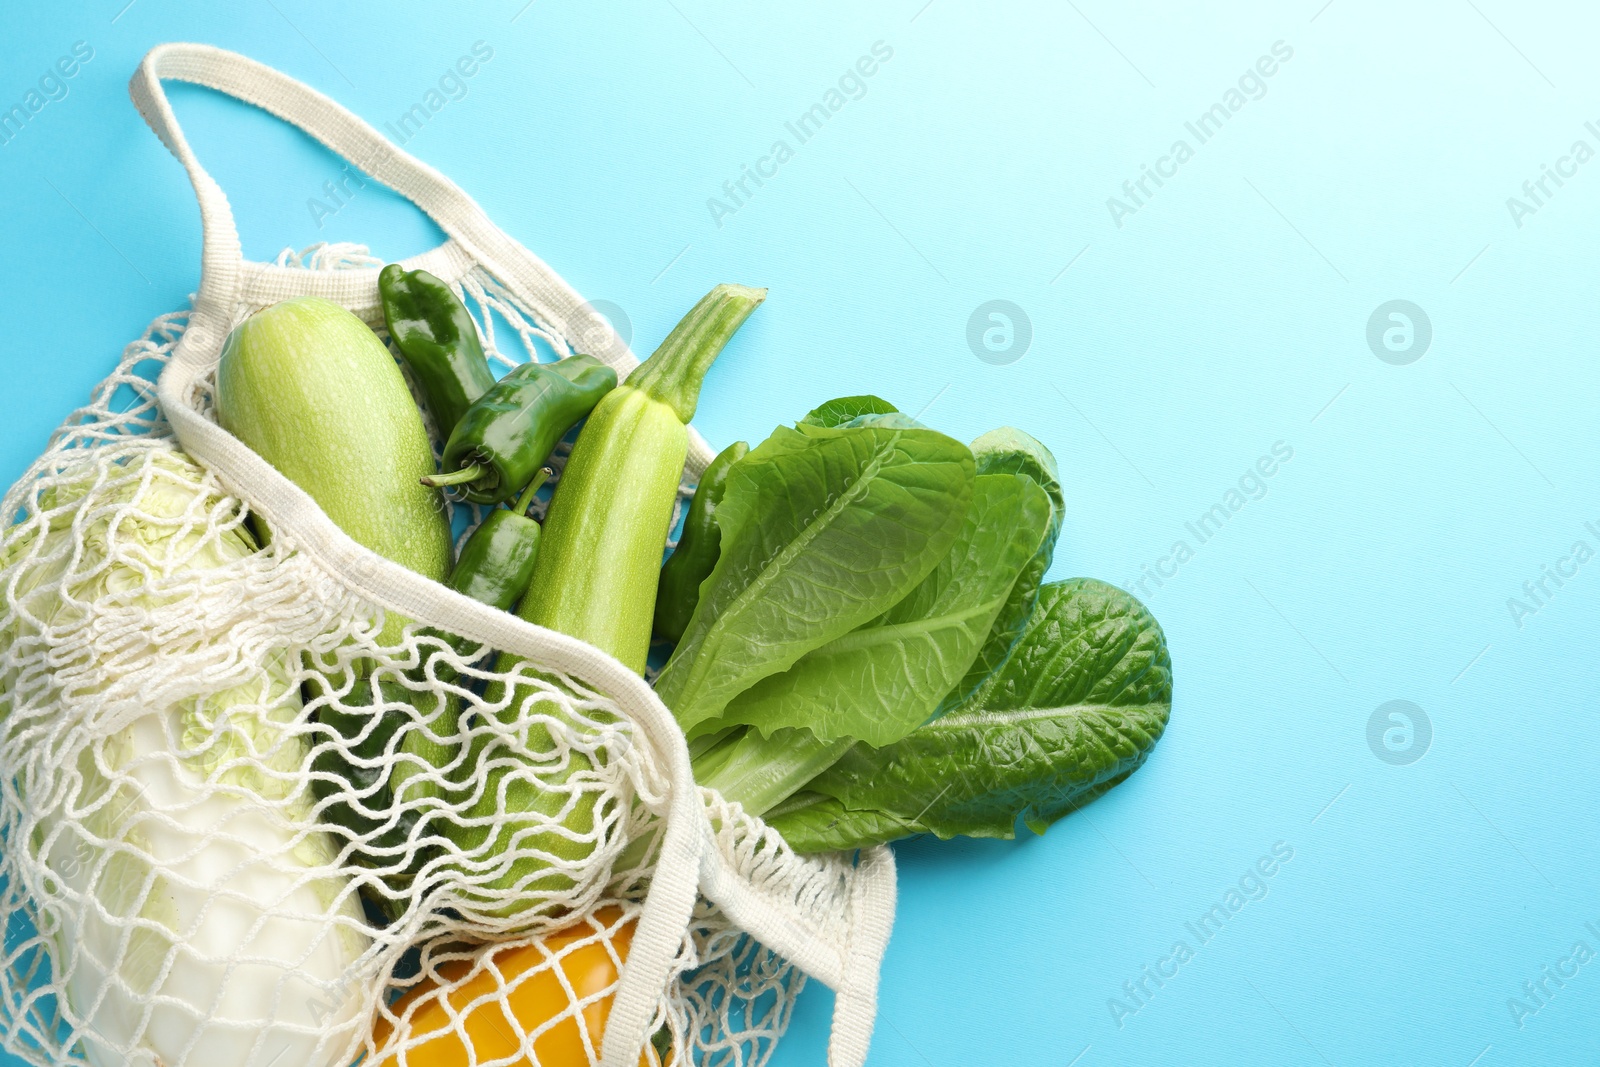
x,y
533,992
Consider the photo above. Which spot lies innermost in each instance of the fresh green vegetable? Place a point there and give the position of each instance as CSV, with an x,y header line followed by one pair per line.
x,y
494,568
595,579
885,678
355,771
438,340
607,524
185,831
1075,710
509,431
848,409
956,705
311,389
691,562
823,529
405,743
496,563
1009,451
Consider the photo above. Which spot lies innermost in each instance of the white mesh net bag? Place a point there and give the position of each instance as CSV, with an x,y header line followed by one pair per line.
x,y
196,871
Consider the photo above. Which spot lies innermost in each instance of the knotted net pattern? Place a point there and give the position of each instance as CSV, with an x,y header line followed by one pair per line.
x,y
246,822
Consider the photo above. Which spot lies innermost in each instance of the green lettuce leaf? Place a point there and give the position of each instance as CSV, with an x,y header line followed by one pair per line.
x,y
848,409
1009,451
1074,710
823,528
884,679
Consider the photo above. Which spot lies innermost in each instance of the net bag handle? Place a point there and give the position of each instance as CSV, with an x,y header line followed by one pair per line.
x,y
673,890
344,133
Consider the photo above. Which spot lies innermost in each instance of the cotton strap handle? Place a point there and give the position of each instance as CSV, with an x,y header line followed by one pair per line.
x,y
541,289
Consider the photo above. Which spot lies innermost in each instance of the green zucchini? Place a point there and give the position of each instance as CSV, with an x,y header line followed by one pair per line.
x,y
315,393
607,526
595,579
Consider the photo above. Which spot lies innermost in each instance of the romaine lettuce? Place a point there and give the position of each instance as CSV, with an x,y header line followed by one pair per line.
x,y
1076,709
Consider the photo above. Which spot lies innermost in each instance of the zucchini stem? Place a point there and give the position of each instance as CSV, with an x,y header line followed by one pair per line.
x,y
673,375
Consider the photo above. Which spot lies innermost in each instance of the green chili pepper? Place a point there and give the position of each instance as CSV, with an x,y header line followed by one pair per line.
x,y
496,562
494,568
691,562
438,340
510,430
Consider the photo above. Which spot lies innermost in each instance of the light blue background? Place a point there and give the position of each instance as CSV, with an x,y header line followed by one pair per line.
x,y
1227,314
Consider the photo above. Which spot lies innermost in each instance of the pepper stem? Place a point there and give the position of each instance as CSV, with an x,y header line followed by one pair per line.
x,y
455,477
674,373
525,501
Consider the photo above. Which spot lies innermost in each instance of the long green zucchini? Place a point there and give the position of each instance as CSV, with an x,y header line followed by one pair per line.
x,y
600,562
595,579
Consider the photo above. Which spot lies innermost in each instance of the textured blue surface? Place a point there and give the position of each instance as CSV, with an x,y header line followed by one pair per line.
x,y
1172,347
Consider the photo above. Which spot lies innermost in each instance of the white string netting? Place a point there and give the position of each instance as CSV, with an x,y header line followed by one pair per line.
x,y
243,823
